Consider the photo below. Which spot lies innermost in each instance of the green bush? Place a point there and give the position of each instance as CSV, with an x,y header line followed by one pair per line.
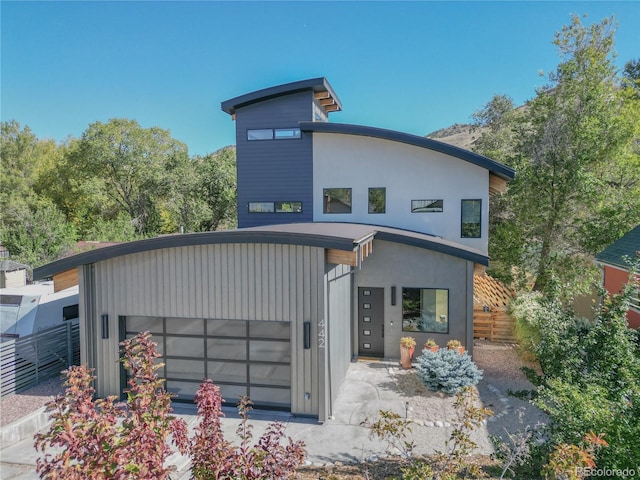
x,y
447,370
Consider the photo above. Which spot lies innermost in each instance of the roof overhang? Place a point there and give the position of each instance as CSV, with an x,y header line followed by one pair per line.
x,y
497,169
322,92
345,237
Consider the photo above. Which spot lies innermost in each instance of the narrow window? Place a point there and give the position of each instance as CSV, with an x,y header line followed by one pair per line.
x,y
261,207
336,200
261,134
425,310
377,200
283,133
471,215
288,207
426,206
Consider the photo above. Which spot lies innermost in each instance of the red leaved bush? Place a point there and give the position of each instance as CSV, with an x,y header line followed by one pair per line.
x,y
104,439
212,457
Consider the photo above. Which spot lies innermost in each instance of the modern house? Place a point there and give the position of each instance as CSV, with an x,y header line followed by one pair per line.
x,y
349,238
615,265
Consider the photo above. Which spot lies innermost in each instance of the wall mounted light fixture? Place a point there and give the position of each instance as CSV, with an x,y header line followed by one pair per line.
x,y
105,325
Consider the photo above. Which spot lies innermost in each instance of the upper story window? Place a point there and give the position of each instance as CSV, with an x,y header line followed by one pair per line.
x,y
336,200
262,134
471,217
283,133
377,200
261,207
288,207
425,206
271,133
275,207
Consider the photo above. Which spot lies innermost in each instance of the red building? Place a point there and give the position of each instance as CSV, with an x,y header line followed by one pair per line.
x,y
615,262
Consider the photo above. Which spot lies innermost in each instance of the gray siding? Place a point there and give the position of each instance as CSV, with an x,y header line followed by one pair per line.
x,y
392,264
229,281
275,170
338,350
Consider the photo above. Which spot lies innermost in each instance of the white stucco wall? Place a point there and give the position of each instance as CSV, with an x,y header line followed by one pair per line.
x,y
408,173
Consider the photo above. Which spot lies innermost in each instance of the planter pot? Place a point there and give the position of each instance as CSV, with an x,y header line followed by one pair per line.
x,y
460,349
433,349
406,354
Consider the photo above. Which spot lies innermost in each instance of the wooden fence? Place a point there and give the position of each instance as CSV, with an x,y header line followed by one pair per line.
x,y
32,359
495,325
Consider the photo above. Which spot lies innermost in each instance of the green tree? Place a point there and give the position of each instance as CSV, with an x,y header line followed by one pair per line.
x,y
128,166
575,151
217,187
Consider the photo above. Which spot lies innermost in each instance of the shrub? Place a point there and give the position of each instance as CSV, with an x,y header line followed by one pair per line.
x,y
100,439
447,370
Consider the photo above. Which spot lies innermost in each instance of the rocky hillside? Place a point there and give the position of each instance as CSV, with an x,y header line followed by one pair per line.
x,y
461,135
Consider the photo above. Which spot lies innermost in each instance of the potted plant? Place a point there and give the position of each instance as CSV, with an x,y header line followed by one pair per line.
x,y
431,345
455,345
407,347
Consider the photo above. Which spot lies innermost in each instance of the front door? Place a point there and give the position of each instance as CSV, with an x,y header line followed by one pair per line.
x,y
371,322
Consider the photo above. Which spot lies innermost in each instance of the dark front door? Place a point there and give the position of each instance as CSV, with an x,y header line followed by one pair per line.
x,y
371,322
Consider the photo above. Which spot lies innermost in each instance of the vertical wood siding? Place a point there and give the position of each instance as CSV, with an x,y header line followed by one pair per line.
x,y
230,281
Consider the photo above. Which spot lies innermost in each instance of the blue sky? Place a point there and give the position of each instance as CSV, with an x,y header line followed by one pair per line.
x,y
409,66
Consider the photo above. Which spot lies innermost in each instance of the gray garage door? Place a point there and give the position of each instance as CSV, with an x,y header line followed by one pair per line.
x,y
241,357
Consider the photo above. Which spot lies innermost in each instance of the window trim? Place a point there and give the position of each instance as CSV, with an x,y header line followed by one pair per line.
x,y
369,200
448,309
413,209
462,203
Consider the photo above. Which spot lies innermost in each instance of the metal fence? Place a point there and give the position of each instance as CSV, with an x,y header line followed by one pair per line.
x,y
32,359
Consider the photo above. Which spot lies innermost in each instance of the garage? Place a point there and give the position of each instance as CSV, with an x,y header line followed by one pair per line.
x,y
250,358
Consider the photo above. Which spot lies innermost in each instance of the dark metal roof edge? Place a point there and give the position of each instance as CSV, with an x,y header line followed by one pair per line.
x,y
497,168
205,238
230,106
435,246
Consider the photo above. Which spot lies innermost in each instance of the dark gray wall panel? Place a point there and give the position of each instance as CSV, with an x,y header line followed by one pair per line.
x,y
275,170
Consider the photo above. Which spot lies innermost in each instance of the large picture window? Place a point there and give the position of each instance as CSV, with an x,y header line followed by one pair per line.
x,y
336,200
425,310
471,217
377,200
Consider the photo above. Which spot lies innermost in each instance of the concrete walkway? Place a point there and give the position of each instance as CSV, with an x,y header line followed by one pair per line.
x,y
368,388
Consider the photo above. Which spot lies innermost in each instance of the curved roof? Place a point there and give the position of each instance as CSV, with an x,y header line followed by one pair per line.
x,y
317,85
494,167
340,236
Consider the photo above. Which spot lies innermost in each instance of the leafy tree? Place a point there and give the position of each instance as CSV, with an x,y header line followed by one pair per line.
x,y
129,166
217,187
575,151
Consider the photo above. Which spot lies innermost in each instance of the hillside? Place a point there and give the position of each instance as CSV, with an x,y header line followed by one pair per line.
x,y
461,135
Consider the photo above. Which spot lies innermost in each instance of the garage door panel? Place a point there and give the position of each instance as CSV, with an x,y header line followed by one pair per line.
x,y
185,326
269,351
270,374
188,369
269,330
183,390
241,357
184,347
227,328
227,372
143,324
226,349
271,396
